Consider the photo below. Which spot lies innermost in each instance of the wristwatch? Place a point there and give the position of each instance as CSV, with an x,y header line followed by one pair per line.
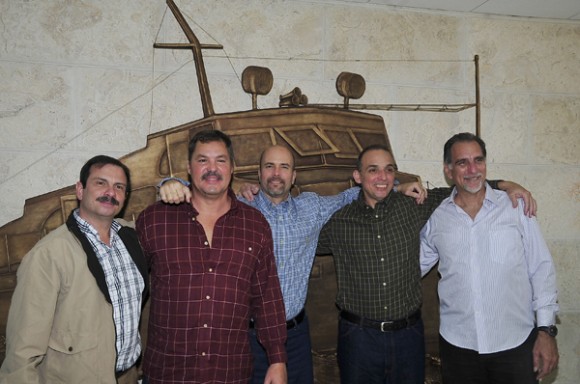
x,y
550,330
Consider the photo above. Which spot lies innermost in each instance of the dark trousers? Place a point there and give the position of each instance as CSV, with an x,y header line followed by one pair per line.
x,y
369,356
298,349
465,366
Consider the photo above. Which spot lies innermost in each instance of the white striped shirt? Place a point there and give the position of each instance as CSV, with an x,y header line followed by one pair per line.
x,y
125,285
497,274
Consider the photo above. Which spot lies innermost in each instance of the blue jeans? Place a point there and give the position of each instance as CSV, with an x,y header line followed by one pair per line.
x,y
369,356
298,349
465,366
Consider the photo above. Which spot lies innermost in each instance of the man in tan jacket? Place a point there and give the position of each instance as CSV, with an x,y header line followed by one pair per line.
x,y
75,312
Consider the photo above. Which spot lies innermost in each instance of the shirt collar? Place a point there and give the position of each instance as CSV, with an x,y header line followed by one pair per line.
x,y
264,204
87,228
489,199
235,203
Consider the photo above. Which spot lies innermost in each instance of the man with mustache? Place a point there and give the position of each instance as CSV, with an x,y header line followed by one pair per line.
x,y
296,222
498,296
75,312
213,269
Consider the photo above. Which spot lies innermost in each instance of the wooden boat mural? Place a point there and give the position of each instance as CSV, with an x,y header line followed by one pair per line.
x,y
324,138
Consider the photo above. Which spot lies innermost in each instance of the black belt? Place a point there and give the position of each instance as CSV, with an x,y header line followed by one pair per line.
x,y
295,321
383,326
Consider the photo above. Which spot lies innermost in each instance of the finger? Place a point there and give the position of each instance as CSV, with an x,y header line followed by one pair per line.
x,y
526,198
536,358
514,199
534,207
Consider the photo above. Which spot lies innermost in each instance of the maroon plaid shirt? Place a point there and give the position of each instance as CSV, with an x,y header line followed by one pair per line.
x,y
202,297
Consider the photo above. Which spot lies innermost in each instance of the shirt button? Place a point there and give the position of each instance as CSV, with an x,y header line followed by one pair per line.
x,y
211,269
205,243
250,249
207,297
70,349
382,259
205,325
378,236
384,284
193,219
376,216
203,353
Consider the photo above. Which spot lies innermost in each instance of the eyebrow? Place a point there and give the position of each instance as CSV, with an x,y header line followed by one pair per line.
x,y
377,166
97,178
466,159
203,155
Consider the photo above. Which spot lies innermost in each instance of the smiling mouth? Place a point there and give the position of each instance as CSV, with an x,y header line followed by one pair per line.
x,y
472,178
276,181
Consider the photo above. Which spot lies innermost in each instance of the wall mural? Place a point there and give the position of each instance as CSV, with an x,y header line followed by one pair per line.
x,y
325,140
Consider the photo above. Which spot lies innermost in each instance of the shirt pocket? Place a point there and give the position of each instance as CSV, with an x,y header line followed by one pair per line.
x,y
505,246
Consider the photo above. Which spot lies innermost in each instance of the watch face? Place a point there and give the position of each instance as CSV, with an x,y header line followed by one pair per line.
x,y
550,330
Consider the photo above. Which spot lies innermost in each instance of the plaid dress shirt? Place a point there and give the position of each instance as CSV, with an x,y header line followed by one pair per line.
x,y
376,254
296,223
202,296
125,285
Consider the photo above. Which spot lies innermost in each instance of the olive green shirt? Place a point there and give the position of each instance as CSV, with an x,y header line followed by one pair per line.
x,y
376,254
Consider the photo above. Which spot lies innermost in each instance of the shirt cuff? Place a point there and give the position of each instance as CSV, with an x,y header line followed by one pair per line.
x,y
277,355
545,318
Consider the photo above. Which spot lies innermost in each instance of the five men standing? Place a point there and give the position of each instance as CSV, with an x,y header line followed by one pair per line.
x,y
213,269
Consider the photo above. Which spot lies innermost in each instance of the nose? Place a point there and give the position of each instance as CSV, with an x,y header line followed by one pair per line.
x,y
212,165
472,167
110,190
383,173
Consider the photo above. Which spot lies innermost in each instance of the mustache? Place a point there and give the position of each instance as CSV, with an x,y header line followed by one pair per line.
x,y
275,178
211,174
108,199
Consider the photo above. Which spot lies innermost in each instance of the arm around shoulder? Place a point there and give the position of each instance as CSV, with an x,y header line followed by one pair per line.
x,y
516,191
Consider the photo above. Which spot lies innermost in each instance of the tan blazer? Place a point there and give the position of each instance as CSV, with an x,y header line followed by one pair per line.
x,y
60,325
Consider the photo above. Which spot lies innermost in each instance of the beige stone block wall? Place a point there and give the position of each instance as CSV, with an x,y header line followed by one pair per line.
x,y
79,78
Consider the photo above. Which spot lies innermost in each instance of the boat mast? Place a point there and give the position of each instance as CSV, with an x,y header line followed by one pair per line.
x,y
196,48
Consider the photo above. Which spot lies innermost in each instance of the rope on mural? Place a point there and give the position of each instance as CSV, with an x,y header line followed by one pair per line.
x,y
158,81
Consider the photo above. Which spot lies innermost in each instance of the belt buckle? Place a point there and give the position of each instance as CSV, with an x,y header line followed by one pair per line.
x,y
383,323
